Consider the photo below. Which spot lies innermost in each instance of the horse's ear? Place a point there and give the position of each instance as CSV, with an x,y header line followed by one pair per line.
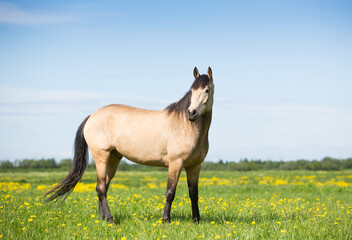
x,y
195,72
210,73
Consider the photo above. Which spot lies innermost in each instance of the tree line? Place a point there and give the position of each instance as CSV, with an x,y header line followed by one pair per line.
x,y
326,164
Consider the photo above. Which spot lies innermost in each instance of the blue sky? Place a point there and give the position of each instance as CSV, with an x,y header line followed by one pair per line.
x,y
282,71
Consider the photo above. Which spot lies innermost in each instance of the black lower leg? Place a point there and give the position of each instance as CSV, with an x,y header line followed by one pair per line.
x,y
170,195
104,210
193,194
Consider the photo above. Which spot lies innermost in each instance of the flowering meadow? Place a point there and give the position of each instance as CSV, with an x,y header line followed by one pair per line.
x,y
233,205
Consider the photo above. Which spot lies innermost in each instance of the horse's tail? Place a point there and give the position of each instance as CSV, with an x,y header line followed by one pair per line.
x,y
79,165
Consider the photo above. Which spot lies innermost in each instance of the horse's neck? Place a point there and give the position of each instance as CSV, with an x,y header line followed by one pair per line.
x,y
203,124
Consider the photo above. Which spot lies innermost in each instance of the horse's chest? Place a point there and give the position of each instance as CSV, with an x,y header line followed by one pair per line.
x,y
194,153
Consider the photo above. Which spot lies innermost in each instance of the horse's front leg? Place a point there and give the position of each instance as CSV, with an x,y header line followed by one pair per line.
x,y
174,173
192,180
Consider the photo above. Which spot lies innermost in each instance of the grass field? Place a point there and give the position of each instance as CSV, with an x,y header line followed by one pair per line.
x,y
233,205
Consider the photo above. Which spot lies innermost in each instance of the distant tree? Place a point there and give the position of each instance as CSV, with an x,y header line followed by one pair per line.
x,y
6,164
27,163
65,163
91,164
46,163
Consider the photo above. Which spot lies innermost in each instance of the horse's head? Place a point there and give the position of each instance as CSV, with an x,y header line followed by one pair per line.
x,y
202,96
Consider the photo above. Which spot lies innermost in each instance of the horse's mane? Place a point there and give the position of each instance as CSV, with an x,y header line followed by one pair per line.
x,y
180,106
183,104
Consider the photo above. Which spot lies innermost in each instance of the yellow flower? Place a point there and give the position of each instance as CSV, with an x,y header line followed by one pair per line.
x,y
123,238
96,221
63,224
79,224
30,220
278,222
217,237
283,231
253,223
92,216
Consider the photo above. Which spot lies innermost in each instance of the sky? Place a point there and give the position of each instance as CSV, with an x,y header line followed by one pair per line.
x,y
282,71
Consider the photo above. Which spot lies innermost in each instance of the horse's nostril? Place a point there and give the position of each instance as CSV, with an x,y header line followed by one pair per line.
x,y
194,112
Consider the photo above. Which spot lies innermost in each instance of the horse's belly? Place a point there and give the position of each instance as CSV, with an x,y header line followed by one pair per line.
x,y
152,151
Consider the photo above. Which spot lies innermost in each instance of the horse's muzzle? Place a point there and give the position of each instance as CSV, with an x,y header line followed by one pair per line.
x,y
192,116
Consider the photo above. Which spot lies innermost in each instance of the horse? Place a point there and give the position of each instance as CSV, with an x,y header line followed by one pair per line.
x,y
176,137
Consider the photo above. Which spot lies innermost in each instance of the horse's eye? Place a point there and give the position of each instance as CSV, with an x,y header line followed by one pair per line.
x,y
207,91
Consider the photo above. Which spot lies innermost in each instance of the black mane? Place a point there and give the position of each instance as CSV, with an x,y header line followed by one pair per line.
x,y
183,104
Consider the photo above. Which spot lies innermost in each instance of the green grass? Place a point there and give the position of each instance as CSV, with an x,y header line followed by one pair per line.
x,y
233,205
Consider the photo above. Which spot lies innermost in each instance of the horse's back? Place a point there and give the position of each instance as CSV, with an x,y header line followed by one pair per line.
x,y
135,133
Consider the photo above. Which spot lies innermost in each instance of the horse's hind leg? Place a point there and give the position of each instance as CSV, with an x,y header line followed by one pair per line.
x,y
106,165
192,180
113,163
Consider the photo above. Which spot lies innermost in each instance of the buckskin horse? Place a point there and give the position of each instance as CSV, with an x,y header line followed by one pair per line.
x,y
176,137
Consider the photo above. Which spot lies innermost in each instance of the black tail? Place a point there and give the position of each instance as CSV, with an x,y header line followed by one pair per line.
x,y
79,165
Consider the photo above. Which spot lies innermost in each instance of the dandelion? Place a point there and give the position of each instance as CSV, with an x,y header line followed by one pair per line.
x,y
217,237
123,238
30,220
283,231
92,216
253,223
96,221
79,224
63,224
278,222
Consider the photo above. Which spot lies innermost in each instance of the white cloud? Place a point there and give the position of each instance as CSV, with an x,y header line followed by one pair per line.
x,y
9,13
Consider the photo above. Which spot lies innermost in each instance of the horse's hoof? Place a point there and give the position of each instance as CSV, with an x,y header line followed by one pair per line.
x,y
196,219
110,220
166,220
